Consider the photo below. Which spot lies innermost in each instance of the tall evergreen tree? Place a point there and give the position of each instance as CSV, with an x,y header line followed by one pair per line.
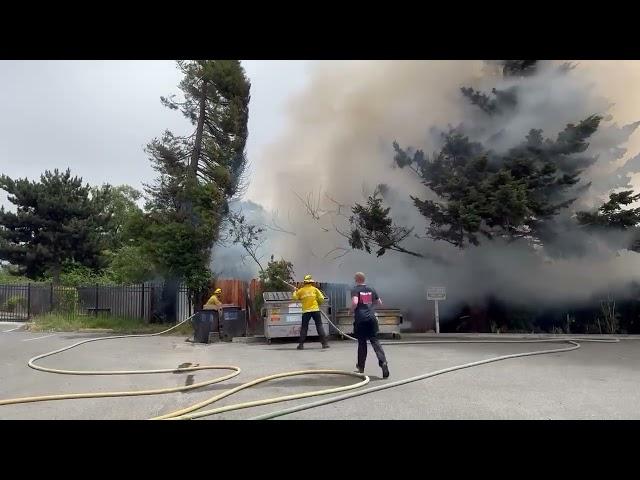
x,y
197,174
495,193
216,101
56,221
510,194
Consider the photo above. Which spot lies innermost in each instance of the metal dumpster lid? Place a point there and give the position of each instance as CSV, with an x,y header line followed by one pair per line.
x,y
277,296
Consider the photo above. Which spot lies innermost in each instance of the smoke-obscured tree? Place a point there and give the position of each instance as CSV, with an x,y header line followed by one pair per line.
x,y
518,67
500,101
248,236
372,227
56,221
197,174
613,215
482,192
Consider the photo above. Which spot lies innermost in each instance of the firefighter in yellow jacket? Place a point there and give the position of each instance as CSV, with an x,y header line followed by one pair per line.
x,y
214,302
311,299
214,305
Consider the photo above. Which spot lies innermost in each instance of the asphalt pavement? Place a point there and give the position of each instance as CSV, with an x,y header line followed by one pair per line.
x,y
598,381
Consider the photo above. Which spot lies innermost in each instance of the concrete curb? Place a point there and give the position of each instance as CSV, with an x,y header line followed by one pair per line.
x,y
17,326
256,339
513,336
471,336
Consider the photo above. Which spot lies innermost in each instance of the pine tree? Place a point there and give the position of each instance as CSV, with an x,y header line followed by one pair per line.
x,y
216,101
612,215
197,174
483,192
118,205
56,221
510,195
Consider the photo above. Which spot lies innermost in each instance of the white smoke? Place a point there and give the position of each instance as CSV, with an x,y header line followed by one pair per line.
x,y
337,146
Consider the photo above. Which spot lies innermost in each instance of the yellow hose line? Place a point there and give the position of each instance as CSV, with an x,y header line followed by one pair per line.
x,y
184,413
187,413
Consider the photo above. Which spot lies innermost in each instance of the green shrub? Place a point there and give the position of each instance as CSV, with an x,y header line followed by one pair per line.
x,y
15,302
66,299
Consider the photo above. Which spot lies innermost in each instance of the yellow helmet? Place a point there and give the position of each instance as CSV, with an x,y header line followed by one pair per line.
x,y
308,279
218,291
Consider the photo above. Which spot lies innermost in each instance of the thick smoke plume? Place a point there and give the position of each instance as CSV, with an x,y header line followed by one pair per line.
x,y
338,147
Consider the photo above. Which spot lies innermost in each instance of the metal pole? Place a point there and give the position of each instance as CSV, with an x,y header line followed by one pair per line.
x,y
51,297
247,311
29,301
97,293
437,317
142,303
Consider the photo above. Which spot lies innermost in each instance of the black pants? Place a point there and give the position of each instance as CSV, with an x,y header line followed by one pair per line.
x,y
305,326
368,330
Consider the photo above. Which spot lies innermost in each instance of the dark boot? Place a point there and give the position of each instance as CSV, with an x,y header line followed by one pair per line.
x,y
325,345
359,369
300,346
385,370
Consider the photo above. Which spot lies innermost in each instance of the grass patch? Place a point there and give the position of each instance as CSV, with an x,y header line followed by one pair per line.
x,y
55,322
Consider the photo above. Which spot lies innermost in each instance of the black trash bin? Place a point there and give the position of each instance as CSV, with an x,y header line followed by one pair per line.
x,y
233,323
202,323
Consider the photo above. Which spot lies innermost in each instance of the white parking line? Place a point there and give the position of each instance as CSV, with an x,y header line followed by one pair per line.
x,y
13,329
39,338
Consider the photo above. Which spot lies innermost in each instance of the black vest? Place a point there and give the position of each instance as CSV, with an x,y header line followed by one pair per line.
x,y
367,298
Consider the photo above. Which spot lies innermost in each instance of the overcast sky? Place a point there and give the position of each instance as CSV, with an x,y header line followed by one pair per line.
x,y
96,116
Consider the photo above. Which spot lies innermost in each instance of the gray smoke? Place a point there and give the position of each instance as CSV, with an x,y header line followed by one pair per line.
x,y
231,261
337,148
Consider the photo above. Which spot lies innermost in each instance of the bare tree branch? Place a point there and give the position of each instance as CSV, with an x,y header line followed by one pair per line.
x,y
345,251
247,236
312,207
276,227
339,205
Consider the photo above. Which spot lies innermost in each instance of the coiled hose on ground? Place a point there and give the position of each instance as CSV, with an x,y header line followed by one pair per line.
x,y
188,412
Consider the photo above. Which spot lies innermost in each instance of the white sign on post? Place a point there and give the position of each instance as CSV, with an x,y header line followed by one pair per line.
x,y
436,294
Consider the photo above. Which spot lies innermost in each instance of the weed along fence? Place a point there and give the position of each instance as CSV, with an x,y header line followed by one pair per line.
x,y
144,301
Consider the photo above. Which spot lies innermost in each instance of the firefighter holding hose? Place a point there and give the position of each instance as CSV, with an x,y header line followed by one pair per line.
x,y
365,323
311,299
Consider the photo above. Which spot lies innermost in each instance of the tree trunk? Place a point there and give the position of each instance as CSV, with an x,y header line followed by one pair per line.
x,y
168,301
197,149
199,300
55,273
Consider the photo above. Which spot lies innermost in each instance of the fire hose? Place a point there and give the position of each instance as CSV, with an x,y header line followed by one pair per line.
x,y
573,342
189,412
183,413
